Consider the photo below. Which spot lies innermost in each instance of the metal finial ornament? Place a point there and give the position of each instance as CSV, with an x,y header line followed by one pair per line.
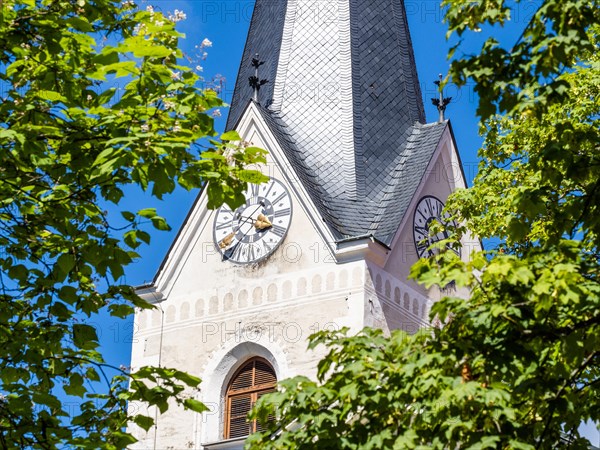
x,y
255,82
441,102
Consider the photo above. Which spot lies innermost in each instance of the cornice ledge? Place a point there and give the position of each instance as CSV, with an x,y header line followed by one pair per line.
x,y
150,293
361,248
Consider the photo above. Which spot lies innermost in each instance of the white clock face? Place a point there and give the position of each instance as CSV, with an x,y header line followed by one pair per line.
x,y
429,209
254,230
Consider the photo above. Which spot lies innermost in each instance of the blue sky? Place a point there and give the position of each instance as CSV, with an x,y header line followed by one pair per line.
x,y
225,23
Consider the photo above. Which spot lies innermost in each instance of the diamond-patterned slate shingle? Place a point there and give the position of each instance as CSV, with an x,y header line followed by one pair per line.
x,y
344,102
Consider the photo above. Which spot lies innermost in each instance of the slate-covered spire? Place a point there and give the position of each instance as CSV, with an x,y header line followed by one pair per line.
x,y
343,88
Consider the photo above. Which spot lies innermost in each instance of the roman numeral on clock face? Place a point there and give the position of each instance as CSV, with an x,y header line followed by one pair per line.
x,y
278,231
282,212
235,253
251,252
254,190
424,231
264,247
226,223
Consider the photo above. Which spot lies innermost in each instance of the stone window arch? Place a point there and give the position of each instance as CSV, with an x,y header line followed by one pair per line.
x,y
250,382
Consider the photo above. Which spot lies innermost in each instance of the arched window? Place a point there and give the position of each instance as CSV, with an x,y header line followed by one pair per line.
x,y
253,380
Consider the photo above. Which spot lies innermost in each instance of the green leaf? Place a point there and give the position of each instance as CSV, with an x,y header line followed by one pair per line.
x,y
120,310
148,213
18,272
52,96
143,422
129,216
75,386
66,262
80,24
85,337
188,379
231,136
160,223
195,405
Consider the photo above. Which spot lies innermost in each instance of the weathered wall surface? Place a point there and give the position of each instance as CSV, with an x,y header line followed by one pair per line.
x,y
215,315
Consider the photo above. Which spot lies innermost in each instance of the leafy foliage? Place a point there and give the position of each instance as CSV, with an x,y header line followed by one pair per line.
x,y
524,77
516,366
71,142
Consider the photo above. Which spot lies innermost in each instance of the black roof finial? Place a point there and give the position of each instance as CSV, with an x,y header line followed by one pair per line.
x,y
441,102
255,82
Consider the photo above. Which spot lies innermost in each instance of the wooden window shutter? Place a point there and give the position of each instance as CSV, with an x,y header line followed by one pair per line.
x,y
253,380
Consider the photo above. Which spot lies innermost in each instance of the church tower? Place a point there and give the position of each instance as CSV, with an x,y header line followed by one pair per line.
x,y
357,175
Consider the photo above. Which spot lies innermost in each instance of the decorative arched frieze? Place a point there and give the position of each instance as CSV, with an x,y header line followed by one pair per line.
x,y
357,277
397,295
184,313
287,290
171,310
301,287
243,299
330,281
317,281
228,302
199,307
257,296
272,293
343,283
213,305
156,317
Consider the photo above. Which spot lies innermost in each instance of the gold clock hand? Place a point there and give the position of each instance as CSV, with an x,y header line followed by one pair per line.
x,y
262,222
226,241
245,219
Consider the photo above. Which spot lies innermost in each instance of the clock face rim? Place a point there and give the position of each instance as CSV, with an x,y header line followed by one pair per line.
x,y
446,223
223,252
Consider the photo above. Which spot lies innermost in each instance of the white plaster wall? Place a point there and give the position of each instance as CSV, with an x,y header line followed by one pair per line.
x,y
391,303
215,315
197,341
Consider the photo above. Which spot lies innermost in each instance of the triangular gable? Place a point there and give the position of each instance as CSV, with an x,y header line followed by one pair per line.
x,y
442,175
251,127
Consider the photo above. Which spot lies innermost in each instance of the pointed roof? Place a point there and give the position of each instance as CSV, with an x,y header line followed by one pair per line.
x,y
350,218
344,101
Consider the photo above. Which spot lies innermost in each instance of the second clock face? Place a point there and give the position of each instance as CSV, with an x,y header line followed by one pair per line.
x,y
429,209
254,230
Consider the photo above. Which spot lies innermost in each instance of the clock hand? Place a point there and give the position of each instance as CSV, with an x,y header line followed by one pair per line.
x,y
245,220
262,222
261,217
226,241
